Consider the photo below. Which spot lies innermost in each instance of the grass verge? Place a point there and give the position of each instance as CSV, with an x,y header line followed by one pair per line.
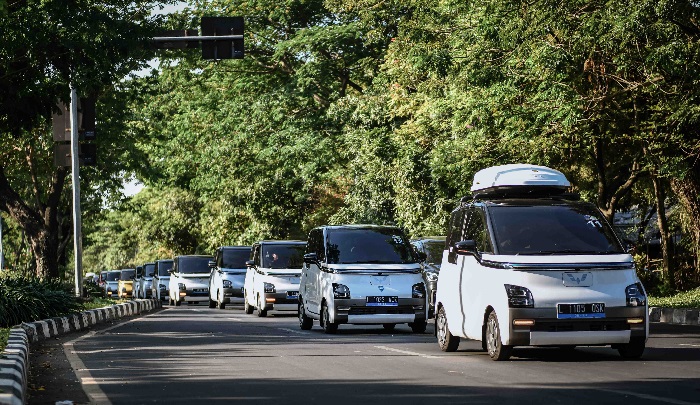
x,y
685,299
4,334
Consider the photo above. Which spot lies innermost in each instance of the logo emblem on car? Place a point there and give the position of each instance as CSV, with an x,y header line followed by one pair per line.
x,y
381,288
578,280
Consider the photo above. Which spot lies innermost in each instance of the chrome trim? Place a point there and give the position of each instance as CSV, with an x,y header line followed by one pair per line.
x,y
557,266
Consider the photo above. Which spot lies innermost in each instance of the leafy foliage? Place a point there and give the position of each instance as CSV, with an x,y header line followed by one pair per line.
x,y
29,299
686,299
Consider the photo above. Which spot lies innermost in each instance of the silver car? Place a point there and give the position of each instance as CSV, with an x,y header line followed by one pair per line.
x,y
112,283
161,279
227,277
431,249
145,282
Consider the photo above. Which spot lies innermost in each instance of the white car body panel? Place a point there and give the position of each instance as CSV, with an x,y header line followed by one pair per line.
x,y
198,281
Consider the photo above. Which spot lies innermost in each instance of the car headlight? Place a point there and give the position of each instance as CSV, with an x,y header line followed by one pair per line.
x,y
269,287
418,290
635,295
227,283
431,276
181,286
519,297
341,291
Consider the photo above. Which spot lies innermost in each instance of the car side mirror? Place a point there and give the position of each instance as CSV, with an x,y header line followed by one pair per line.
x,y
422,256
250,263
310,258
465,247
170,271
212,264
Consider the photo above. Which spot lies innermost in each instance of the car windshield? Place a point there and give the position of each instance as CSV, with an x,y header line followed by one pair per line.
x,y
113,276
127,274
358,246
433,251
235,258
279,256
576,228
193,264
164,266
149,269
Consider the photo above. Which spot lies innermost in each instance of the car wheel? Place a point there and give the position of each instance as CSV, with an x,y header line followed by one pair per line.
x,y
446,340
632,350
246,306
305,323
177,301
212,303
389,326
497,351
220,302
259,310
328,327
418,327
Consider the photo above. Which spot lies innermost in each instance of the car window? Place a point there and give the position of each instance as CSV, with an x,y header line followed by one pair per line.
x,y
357,245
279,256
433,250
127,274
193,264
476,230
552,229
163,266
234,258
113,276
149,269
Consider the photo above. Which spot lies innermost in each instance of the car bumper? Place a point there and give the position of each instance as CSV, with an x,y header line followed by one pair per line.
x,y
356,311
194,295
233,296
281,302
547,330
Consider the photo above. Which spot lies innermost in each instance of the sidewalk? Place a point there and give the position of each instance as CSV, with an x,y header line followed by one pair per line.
x,y
14,360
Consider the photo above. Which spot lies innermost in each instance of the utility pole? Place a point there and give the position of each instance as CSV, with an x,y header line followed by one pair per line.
x,y
75,165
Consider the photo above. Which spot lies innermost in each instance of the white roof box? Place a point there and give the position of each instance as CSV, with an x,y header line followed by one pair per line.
x,y
519,179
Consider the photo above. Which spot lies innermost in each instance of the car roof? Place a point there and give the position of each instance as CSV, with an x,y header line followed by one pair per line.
x,y
179,256
281,242
359,226
234,247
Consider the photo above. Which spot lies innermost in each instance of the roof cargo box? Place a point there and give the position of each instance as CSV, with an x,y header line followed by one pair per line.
x,y
519,180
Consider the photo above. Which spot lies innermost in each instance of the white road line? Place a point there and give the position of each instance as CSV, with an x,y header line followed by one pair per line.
x,y
391,349
649,397
689,344
293,331
237,319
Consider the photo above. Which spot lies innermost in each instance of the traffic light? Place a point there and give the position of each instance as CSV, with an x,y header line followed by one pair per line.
x,y
222,49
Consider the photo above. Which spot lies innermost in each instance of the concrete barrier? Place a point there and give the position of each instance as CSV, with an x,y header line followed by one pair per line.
x,y
14,361
679,316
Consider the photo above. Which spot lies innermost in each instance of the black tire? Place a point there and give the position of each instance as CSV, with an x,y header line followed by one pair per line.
x,y
389,326
247,307
305,323
418,327
328,327
212,304
447,341
219,303
171,302
632,350
495,348
259,310
178,303
568,348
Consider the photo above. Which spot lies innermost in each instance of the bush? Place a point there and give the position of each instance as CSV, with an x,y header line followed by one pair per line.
x,y
4,334
686,299
26,300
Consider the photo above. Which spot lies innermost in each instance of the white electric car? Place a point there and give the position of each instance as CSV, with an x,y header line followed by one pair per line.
x,y
528,265
361,274
161,279
272,277
189,279
227,277
142,286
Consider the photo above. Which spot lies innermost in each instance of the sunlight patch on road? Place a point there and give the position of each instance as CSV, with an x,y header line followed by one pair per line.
x,y
406,352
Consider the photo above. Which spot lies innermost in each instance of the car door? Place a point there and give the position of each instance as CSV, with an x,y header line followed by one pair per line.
x,y
313,298
250,275
449,282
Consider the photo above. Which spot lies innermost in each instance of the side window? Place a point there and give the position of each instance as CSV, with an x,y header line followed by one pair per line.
x,y
219,257
175,265
455,234
256,255
319,246
477,231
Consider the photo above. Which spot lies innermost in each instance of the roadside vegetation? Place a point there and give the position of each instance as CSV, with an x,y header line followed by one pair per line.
x,y
685,299
4,334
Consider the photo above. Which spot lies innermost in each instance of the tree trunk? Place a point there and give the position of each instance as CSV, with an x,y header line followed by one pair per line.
x,y
688,191
40,224
660,197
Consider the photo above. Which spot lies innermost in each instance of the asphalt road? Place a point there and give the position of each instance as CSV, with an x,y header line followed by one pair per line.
x,y
193,354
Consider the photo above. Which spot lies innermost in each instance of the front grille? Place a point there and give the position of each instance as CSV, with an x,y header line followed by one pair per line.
x,y
381,310
286,300
587,325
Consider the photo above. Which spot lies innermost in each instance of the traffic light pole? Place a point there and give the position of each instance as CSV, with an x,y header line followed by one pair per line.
x,y
75,165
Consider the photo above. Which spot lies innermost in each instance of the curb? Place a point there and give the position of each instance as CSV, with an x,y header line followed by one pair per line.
x,y
678,316
14,361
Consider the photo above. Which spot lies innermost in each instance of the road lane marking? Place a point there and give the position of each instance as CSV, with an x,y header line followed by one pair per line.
x,y
689,344
649,397
293,331
391,349
90,386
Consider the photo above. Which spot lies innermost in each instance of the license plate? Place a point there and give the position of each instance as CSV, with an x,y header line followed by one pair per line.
x,y
200,290
382,301
292,294
573,311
